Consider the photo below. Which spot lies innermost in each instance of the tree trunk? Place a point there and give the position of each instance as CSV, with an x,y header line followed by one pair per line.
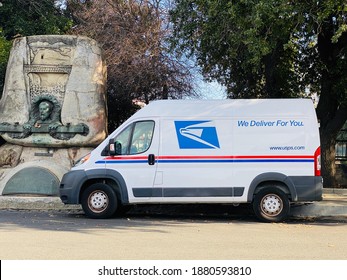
x,y
328,159
331,110
328,134
332,115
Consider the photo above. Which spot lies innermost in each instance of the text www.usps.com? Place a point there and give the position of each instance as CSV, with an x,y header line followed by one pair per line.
x,y
120,271
287,148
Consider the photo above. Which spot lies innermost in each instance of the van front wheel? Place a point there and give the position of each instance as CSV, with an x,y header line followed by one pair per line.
x,y
271,205
99,201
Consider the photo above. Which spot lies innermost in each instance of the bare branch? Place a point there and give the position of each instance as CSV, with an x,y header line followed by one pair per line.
x,y
133,36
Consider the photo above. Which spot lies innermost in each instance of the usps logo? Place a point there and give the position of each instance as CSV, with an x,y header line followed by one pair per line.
x,y
196,135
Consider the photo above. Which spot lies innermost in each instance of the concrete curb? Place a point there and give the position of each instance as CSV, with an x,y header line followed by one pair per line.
x,y
34,203
318,210
334,203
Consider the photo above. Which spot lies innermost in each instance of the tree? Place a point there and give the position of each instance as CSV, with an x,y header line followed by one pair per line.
x,y
32,17
273,48
25,18
133,36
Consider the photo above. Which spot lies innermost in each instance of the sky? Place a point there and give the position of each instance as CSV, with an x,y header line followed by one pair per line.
x,y
212,90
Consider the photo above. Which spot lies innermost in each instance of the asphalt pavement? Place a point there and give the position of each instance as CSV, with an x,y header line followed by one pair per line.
x,y
334,204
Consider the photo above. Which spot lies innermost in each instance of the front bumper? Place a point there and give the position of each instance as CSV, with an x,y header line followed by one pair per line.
x,y
70,186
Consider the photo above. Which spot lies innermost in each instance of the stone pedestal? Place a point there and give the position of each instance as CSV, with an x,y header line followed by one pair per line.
x,y
34,170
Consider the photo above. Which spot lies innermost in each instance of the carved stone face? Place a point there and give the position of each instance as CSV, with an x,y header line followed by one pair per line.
x,y
45,109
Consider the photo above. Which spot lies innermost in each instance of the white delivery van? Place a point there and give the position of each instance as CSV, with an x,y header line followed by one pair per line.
x,y
264,152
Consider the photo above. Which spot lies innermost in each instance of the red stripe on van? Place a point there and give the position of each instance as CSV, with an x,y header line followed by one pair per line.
x,y
212,157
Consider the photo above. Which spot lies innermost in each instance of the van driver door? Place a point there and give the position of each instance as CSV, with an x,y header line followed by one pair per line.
x,y
136,148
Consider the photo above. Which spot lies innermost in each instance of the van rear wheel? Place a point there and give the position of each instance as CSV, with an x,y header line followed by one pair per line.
x,y
271,205
99,201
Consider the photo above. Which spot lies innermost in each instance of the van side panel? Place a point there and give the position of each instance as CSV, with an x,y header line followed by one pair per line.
x,y
208,154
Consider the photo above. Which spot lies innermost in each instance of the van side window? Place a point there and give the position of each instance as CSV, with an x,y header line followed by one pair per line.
x,y
136,138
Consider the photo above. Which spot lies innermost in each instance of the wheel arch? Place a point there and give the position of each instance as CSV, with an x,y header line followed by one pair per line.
x,y
273,179
110,177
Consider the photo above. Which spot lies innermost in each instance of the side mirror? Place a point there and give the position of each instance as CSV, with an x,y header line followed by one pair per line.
x,y
114,148
118,148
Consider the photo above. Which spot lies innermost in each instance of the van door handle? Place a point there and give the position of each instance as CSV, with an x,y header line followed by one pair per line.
x,y
151,159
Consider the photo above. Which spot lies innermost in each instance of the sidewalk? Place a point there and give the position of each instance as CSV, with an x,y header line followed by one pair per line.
x,y
334,204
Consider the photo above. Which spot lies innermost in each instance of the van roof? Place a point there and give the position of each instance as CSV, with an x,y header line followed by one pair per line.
x,y
228,107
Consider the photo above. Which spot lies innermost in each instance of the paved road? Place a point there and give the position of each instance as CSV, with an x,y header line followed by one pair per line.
x,y
151,233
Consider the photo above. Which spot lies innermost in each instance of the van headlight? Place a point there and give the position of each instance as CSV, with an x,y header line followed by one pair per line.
x,y
82,160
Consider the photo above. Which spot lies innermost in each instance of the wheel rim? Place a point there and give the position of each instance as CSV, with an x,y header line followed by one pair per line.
x,y
98,201
271,205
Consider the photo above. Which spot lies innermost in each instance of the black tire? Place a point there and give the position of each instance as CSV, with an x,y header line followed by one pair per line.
x,y
99,201
271,205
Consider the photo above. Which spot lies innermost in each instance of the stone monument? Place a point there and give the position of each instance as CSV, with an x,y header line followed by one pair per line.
x,y
52,110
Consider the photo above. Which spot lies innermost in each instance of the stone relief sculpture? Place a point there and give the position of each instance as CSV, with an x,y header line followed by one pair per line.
x,y
53,101
44,117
